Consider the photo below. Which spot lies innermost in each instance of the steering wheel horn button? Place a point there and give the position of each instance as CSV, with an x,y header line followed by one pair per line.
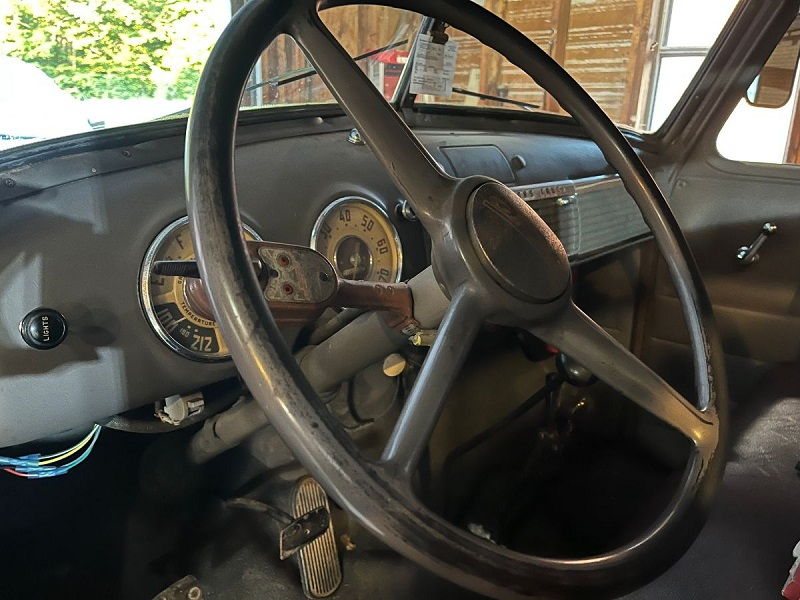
x,y
43,328
515,246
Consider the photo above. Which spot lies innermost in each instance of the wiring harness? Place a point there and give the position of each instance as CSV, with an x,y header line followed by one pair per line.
x,y
36,466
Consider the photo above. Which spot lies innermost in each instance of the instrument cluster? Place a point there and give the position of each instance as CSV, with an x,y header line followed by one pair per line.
x,y
355,234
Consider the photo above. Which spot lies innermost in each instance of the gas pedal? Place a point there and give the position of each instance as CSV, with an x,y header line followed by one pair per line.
x,y
320,570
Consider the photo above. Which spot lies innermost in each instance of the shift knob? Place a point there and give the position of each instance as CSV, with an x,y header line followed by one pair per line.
x,y
574,372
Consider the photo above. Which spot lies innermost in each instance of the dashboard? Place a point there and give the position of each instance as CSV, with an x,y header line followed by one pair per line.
x,y
80,231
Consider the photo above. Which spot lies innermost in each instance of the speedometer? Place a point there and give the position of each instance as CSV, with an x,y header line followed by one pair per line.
x,y
356,236
182,322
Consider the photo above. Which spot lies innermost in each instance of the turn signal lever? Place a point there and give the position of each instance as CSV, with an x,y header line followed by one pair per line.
x,y
300,283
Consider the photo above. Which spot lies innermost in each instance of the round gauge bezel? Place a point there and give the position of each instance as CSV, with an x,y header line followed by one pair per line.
x,y
372,204
146,299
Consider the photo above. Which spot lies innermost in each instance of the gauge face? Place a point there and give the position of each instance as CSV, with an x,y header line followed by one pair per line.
x,y
359,240
186,326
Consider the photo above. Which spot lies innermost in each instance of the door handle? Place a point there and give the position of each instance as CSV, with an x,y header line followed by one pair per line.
x,y
747,255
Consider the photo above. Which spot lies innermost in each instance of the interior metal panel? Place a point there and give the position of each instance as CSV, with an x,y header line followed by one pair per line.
x,y
758,305
75,243
721,206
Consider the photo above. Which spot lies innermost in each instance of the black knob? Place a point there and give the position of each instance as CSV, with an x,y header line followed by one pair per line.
x,y
43,328
574,372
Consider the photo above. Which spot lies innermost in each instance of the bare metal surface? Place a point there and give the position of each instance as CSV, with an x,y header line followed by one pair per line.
x,y
299,275
186,588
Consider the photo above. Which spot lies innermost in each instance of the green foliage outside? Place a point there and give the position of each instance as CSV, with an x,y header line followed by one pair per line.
x,y
185,84
111,48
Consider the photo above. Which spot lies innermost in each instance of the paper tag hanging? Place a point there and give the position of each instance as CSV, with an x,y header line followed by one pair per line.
x,y
434,67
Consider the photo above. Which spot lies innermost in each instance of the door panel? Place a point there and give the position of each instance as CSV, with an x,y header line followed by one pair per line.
x,y
721,206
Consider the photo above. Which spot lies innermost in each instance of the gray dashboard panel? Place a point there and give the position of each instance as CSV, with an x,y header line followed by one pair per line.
x,y
78,246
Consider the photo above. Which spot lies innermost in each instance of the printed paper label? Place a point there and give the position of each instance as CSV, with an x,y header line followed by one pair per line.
x,y
434,67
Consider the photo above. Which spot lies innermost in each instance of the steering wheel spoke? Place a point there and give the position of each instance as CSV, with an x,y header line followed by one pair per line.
x,y
413,169
577,335
427,398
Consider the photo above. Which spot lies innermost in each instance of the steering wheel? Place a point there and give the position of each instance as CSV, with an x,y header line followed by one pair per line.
x,y
495,259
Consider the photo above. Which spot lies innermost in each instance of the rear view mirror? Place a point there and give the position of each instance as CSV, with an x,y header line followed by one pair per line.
x,y
772,88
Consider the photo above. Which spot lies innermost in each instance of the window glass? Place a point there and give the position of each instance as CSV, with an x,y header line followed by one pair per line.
x,y
71,66
674,74
696,24
634,57
765,126
379,38
756,134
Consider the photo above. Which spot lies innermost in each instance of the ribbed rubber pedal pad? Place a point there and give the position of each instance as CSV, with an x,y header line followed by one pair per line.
x,y
320,570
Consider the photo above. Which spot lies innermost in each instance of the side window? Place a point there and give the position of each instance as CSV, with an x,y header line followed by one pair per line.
x,y
687,29
765,126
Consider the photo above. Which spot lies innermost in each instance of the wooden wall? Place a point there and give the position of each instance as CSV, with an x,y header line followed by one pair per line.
x,y
603,43
607,50
357,28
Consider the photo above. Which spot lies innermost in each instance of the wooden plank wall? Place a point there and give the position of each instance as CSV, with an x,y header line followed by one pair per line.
x,y
603,43
605,53
358,29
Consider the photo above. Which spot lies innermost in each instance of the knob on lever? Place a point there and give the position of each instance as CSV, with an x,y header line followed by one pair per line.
x,y
573,372
747,255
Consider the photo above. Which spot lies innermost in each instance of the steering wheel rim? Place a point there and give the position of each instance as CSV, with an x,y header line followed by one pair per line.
x,y
378,494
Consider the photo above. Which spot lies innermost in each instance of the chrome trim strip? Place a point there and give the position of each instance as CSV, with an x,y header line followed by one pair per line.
x,y
571,224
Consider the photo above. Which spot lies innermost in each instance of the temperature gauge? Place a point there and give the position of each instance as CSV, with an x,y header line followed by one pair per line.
x,y
185,325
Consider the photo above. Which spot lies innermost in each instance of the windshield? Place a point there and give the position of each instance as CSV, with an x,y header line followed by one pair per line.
x,y
635,58
79,65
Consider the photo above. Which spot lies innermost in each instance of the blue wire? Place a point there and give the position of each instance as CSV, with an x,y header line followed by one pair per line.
x,y
50,470
65,468
29,465
35,460
48,456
